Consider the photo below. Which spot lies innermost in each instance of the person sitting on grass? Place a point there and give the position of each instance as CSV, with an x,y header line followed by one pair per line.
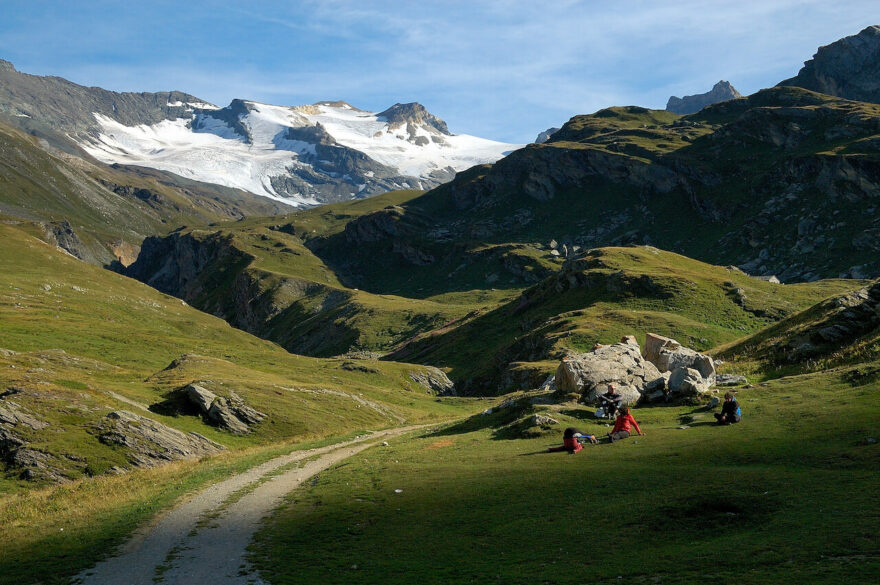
x,y
571,441
611,401
623,424
730,411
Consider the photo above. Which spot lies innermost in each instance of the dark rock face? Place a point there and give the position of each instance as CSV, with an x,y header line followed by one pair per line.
x,y
848,68
690,104
61,234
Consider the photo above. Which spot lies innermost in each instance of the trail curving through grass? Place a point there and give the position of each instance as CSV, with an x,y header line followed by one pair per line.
x,y
204,540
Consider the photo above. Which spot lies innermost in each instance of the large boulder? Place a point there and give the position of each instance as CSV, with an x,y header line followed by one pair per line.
x,y
668,355
230,413
590,373
688,382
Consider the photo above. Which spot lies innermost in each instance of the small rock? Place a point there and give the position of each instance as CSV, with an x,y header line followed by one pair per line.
x,y
398,491
384,443
870,440
683,427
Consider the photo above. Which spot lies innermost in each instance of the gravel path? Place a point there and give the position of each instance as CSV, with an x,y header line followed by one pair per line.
x,y
202,542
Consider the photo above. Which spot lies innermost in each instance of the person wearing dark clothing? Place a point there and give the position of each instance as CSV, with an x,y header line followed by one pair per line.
x,y
571,441
730,411
611,401
623,424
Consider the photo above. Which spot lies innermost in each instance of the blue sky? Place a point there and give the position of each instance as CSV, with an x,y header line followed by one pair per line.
x,y
499,69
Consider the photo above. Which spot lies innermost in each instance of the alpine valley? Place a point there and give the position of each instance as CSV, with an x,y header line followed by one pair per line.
x,y
190,292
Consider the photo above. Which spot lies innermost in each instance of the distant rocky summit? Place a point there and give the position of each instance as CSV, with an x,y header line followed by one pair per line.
x,y
690,104
545,135
848,68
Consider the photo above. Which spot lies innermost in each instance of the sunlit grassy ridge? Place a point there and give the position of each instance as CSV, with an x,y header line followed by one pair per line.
x,y
608,293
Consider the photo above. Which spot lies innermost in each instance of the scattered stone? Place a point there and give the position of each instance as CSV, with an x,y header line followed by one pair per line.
x,y
729,380
713,403
870,440
541,420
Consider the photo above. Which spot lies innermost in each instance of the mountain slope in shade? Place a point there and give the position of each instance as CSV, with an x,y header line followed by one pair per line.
x,y
307,155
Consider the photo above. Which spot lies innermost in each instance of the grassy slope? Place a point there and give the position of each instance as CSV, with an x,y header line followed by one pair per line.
x,y
793,346
304,304
787,496
84,334
79,342
37,185
618,291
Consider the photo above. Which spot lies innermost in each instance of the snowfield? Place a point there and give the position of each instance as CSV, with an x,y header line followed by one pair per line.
x,y
208,149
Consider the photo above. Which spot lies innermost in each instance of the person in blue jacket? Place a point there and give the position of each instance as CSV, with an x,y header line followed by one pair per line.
x,y
730,411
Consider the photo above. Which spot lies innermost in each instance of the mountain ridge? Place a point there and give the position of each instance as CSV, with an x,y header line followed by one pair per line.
x,y
402,147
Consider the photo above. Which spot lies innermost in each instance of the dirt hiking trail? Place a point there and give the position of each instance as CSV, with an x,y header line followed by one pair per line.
x,y
203,541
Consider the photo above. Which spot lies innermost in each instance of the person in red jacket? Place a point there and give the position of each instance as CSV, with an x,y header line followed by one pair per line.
x,y
623,424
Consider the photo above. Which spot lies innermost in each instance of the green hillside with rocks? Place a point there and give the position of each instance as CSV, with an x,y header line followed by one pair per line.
x,y
161,337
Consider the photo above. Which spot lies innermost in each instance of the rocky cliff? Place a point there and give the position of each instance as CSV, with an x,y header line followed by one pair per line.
x,y
848,68
690,104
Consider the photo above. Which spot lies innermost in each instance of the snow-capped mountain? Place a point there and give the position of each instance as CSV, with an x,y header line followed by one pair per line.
x,y
302,155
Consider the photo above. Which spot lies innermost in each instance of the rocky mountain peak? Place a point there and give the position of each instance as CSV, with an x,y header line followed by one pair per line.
x,y
413,113
545,135
690,104
848,68
6,66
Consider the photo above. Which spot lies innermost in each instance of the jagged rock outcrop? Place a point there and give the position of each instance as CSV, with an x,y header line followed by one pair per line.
x,y
545,135
230,413
62,235
32,464
589,374
435,381
149,443
690,104
411,116
847,68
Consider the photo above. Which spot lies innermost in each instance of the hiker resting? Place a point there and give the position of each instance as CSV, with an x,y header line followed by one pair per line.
x,y
571,441
730,411
611,401
623,424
